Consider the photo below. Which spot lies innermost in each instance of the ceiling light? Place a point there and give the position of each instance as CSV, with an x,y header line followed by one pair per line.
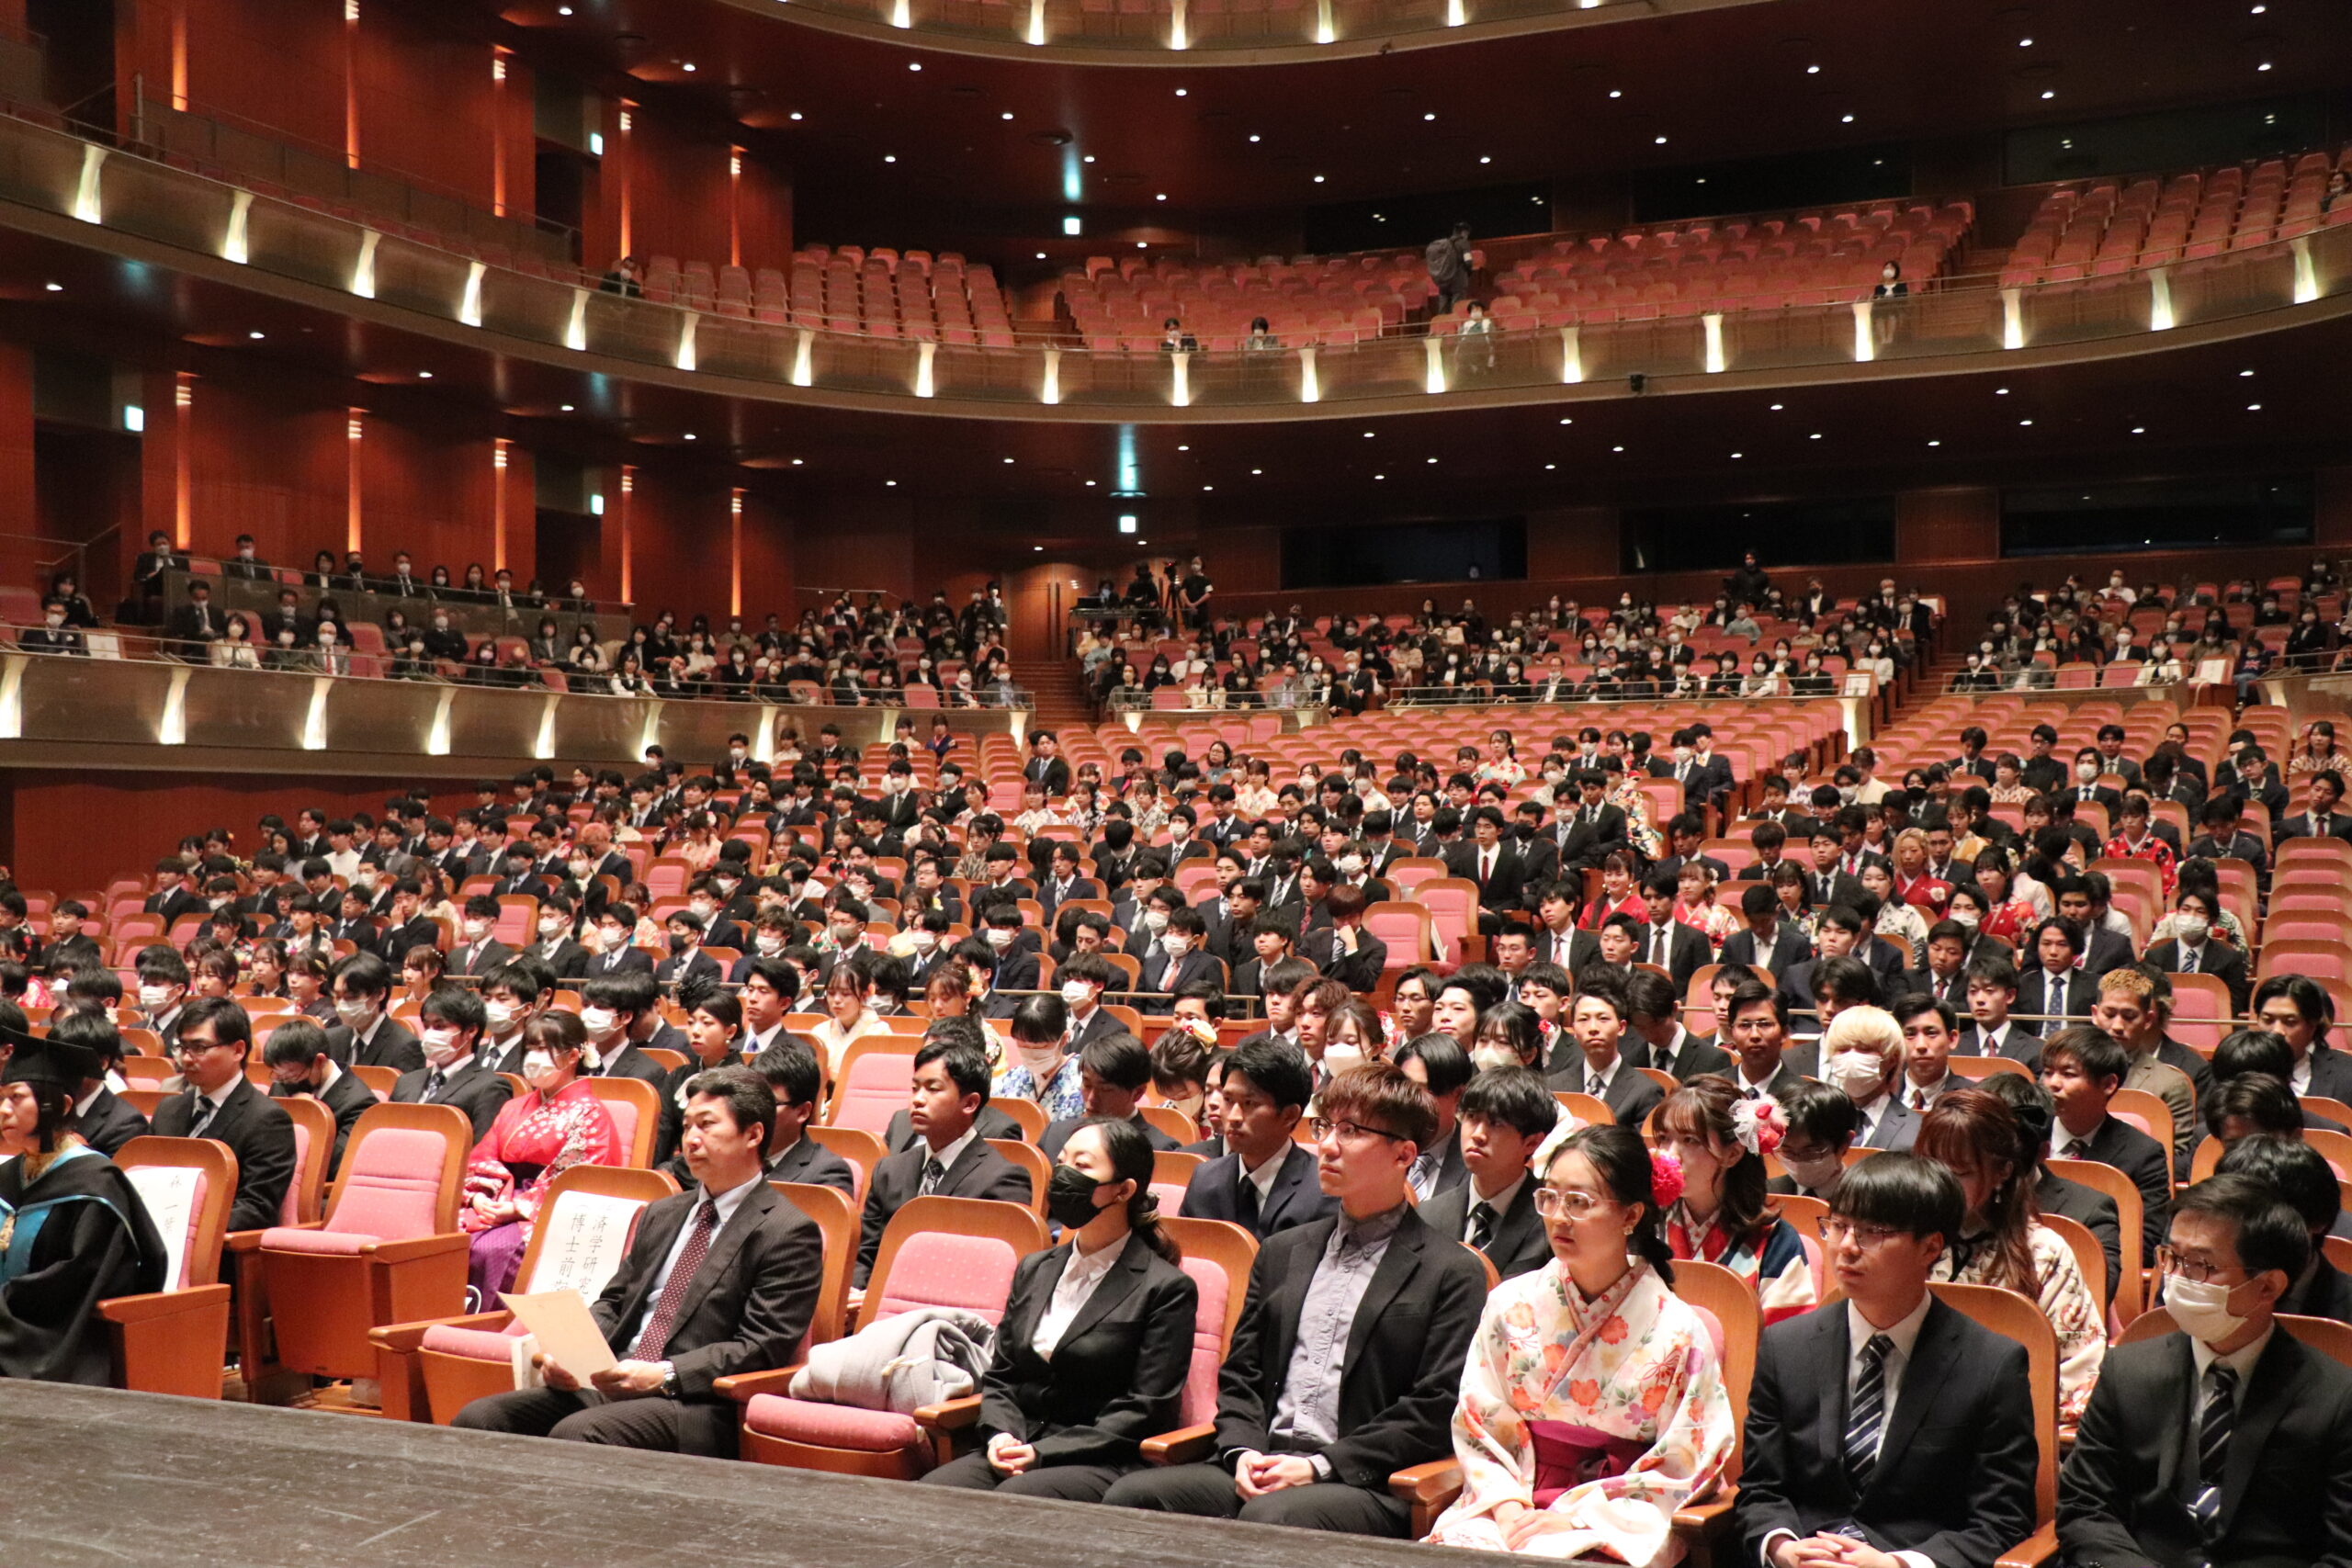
x,y
2025,43
2047,94
1485,159
1568,421
424,375
2023,422
1429,117
1736,455
1006,114
55,287
1660,142
1183,448
689,65
911,65
1319,179
2264,66
1090,484
1549,467
891,484
1935,442
1367,435
796,114
689,435
2000,391
1041,255
889,157
567,408
1258,470
1008,459
1143,244
1208,487
2241,374
1616,449
1433,459
1814,436
1380,476
2139,430
796,462
1615,93
256,336
1846,119
1161,197
1180,91
1812,70
2254,408
1088,159
1253,136
1038,548
1776,407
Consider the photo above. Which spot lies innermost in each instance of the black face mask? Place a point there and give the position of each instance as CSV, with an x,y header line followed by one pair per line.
x,y
1070,1197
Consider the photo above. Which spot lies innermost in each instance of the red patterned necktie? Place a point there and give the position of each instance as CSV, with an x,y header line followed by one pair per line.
x,y
673,1304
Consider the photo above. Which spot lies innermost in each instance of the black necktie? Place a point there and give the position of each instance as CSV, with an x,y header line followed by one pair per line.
x,y
1482,1225
933,1173
205,1109
1868,1411
1246,1203
1661,948
433,1082
2056,1006
2213,1445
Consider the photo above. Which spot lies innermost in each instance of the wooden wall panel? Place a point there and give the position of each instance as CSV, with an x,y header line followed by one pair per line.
x,y
1959,524
427,107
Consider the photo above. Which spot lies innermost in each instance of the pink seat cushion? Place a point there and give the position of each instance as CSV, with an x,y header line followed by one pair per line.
x,y
936,1269
332,1243
474,1344
392,1184
1208,1342
830,1426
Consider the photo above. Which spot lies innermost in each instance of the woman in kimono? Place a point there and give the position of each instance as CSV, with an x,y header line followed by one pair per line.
x,y
1720,1141
537,1137
73,1230
1593,1399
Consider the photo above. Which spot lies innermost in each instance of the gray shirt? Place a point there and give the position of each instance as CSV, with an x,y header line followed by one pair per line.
x,y
1307,1417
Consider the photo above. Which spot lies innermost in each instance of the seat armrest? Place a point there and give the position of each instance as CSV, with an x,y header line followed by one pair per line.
x,y
1188,1445
2037,1548
951,1415
1436,1484
411,1335
1708,1513
153,1306
418,1246
250,1241
744,1385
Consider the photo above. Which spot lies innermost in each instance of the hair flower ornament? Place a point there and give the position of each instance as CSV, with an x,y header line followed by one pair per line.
x,y
1758,1125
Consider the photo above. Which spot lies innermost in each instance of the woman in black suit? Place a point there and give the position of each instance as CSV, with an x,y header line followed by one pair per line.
x,y
1096,1340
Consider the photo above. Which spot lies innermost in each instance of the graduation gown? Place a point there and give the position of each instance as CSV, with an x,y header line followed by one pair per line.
x,y
74,1237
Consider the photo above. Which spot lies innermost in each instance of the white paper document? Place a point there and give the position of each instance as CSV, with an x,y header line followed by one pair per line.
x,y
567,1334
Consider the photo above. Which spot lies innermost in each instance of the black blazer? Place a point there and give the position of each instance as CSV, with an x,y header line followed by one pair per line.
x,y
2019,1044
396,941
682,972
1518,1246
2331,1073
2123,1494
477,1090
1197,965
1405,1347
2141,1159
978,1172
260,1134
349,1099
2219,959
110,1122
621,963
1295,1199
748,1305
1118,1372
2094,1210
810,1163
2033,997
1790,947
1686,953
468,959
394,1046
1955,1472
1631,1094
1359,970
901,1135
1696,1056
1499,891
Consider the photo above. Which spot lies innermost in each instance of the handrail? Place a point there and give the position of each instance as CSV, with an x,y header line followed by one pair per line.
x,y
1954,316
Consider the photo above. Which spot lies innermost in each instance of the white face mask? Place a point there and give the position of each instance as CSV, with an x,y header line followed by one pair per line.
x,y
537,1068
922,940
553,925
476,929
440,1047
354,1013
1043,1061
1968,918
2201,1308
501,1014
1483,1058
1859,1073
2086,771
1000,937
598,1022
154,997
1352,865
1175,945
1077,993
1155,920
1815,1175
2192,928
769,946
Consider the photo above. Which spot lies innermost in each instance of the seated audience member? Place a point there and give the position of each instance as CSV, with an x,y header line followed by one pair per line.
x,y
2229,1443
367,1035
714,1019
620,1013
677,1325
537,1136
103,1119
1823,1124
1597,1026
849,1008
2302,1176
2133,1012
1756,1025
1096,1341
1505,1114
949,1156
1976,1137
1664,1043
1037,1068
216,1039
1992,992
1887,1427
2296,1009
73,1231
992,1122
1113,1072
2258,1052
1862,1052
1723,1215
1345,1365
790,1068
299,1065
2082,1069
2097,1213
1439,1065
1592,1403
450,1034
1264,1181
1929,1027
1182,1061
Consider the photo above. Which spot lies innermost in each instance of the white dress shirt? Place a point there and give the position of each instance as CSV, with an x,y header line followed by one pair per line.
x,y
1081,1277
1903,1335
1262,1178
727,1204
1501,1204
952,1152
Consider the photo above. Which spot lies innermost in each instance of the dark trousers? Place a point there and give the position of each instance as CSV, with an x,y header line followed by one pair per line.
x,y
668,1425
1206,1490
1068,1483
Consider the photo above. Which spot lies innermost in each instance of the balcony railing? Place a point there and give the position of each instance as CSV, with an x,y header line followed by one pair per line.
x,y
553,318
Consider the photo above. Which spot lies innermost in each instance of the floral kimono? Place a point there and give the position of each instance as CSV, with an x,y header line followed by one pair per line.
x,y
2065,1300
531,1143
1610,1414
1774,1262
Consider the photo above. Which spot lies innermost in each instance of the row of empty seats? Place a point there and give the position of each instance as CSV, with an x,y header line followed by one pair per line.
x,y
2109,227
878,293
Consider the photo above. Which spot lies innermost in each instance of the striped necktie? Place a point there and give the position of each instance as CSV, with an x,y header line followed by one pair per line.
x,y
1867,1414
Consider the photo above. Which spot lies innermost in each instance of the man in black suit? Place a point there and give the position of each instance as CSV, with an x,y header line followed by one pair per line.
x,y
1062,882
1769,942
1438,1062
215,1040
2297,1009
1045,765
792,1071
623,1016
616,951
1558,939
2229,1443
369,1036
179,891
2193,950
720,1279
1651,1012
299,1065
1887,1421
479,951
406,928
1759,1025
554,945
455,1072
2082,1069
2055,992
950,1159
68,947
1588,832
1113,1072
1489,863
1166,973
1669,944
1314,1417
1829,884
1267,1183
1344,951
105,1120
1597,1024
197,623
1506,1113
2324,818
1992,992
688,965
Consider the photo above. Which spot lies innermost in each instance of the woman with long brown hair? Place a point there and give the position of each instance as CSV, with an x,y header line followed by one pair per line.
x,y
1719,1139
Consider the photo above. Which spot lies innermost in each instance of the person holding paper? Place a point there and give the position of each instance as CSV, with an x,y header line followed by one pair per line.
x,y
537,1137
720,1279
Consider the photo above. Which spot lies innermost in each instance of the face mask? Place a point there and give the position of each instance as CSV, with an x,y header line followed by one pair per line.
x,y
922,940
476,929
154,997
440,1047
1859,1073
1815,1175
2086,771
352,1012
580,869
1352,865
1043,1061
2201,1308
1070,1197
1966,917
1174,945
538,1067
679,943
56,620
2192,928
553,925
769,946
499,1014
1483,1058
1155,920
1000,937
598,1022
1077,993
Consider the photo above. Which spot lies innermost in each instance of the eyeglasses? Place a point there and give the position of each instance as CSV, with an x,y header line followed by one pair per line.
x,y
2197,1269
1834,1231
1323,1127
1552,1202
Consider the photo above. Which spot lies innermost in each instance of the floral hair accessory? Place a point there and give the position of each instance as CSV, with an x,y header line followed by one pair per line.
x,y
1200,1029
1665,1178
1758,1125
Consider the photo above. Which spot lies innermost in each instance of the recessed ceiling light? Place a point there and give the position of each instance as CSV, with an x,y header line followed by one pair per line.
x,y
1181,92
1143,244
1208,487
796,462
1736,455
1486,160
2244,373
1616,449
1814,436
55,287
424,375
1846,119
1319,179
1812,70
567,408
1660,142
1429,117
256,336
1615,93
1380,476
1258,470
911,65
1568,421
2139,430
889,157
1038,548
1935,442
1161,197
891,484
2000,391
1008,459
2048,94
1367,435
2254,408
2264,66
1090,484
1776,407
2023,422
2025,43
1433,459
1041,255
1006,114
1183,448
796,114
1088,159
1253,136
1549,467
689,65
690,436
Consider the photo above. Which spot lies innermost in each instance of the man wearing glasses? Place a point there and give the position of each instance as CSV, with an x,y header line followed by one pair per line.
x,y
2229,1443
1346,1362
215,1039
1887,1430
